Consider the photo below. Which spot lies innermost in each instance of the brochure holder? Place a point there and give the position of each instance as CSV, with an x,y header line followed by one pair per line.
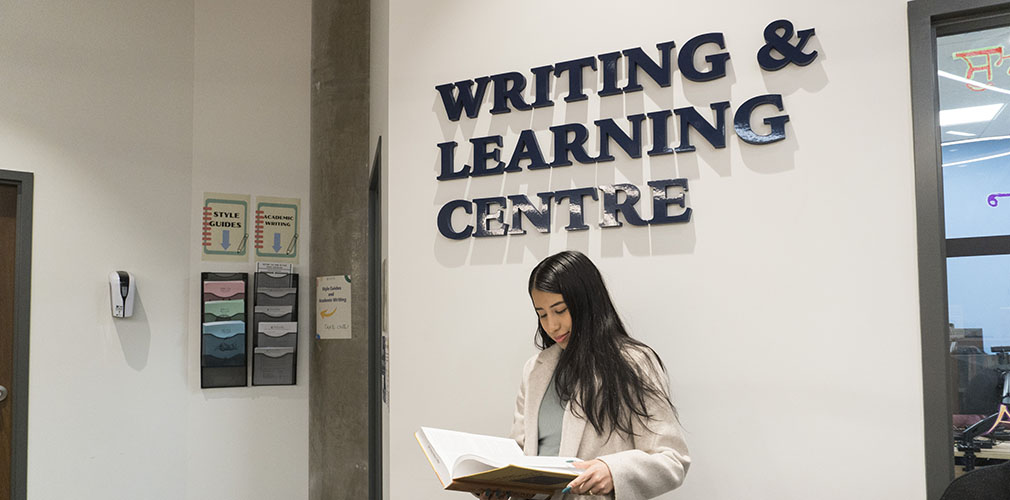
x,y
223,337
275,329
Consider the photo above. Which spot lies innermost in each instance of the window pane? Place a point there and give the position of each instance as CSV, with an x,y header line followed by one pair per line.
x,y
978,297
974,83
972,206
978,302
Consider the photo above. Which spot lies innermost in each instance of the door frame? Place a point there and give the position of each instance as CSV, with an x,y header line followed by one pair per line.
x,y
376,355
24,181
924,17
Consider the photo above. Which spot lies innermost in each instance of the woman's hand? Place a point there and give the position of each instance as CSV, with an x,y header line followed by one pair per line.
x,y
594,480
496,495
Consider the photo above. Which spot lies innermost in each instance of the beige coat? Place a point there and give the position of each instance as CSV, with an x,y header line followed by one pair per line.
x,y
651,463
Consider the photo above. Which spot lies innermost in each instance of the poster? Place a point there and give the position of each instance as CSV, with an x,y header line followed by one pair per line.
x,y
333,307
277,222
225,227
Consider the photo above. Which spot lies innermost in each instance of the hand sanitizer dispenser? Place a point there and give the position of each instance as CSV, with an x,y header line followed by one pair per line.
x,y
123,290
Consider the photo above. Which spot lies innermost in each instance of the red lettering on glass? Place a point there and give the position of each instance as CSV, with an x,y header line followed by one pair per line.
x,y
988,53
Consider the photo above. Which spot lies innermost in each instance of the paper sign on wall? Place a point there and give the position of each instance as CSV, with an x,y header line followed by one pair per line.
x,y
225,227
333,307
277,229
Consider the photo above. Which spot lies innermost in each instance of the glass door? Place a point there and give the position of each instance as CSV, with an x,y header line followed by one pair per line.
x,y
973,83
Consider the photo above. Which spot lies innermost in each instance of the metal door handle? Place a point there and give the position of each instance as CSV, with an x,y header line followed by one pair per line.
x,y
3,393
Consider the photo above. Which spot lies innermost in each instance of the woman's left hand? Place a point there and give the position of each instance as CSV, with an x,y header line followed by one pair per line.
x,y
594,480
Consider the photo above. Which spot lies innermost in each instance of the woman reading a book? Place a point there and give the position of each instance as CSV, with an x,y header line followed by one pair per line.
x,y
594,392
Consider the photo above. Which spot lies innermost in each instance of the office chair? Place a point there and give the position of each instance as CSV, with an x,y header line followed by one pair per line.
x,y
987,483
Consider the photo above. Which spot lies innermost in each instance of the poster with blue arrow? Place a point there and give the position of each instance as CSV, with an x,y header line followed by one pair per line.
x,y
225,227
277,222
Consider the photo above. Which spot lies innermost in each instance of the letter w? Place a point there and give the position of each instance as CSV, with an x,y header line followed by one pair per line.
x,y
465,97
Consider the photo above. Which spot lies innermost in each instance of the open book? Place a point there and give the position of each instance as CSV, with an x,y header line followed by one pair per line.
x,y
474,463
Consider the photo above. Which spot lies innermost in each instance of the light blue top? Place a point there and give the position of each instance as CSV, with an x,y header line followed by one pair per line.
x,y
552,411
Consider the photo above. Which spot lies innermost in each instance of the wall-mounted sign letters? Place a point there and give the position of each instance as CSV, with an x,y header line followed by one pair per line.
x,y
333,307
503,215
783,46
225,227
277,229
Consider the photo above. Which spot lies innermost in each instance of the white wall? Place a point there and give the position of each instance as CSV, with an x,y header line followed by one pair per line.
x,y
126,111
786,311
250,135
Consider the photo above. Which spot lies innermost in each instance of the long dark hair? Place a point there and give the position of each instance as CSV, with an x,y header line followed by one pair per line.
x,y
594,370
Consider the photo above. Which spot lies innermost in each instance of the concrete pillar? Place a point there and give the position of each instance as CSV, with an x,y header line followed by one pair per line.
x,y
339,174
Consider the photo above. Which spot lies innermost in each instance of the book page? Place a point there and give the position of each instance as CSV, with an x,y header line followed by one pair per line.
x,y
558,464
452,446
468,465
440,467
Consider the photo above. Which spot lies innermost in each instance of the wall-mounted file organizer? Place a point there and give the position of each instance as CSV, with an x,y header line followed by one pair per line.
x,y
275,329
223,358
